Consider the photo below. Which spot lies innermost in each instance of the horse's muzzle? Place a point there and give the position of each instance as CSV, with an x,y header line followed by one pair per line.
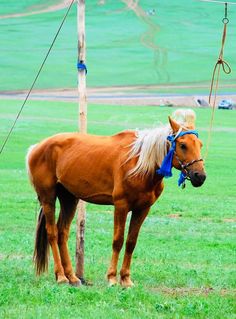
x,y
197,178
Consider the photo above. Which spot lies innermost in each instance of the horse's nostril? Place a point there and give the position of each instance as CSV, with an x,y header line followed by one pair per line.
x,y
199,176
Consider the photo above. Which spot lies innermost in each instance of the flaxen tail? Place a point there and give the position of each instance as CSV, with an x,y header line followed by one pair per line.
x,y
41,249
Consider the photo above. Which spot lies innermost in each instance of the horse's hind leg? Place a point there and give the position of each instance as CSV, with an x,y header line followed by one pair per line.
x,y
68,205
47,199
136,221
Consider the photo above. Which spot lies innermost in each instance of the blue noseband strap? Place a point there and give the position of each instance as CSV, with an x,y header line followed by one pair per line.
x,y
166,167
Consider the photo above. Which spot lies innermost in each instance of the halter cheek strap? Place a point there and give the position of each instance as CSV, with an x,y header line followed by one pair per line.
x,y
166,167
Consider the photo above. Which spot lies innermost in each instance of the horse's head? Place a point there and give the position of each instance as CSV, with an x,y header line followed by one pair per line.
x,y
187,155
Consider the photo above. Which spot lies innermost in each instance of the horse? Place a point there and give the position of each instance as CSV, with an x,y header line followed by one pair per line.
x,y
124,170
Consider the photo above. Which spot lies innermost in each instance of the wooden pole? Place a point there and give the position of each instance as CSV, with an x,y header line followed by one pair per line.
x,y
82,123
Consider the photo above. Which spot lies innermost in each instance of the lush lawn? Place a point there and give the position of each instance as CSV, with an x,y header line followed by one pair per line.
x,y
183,267
180,43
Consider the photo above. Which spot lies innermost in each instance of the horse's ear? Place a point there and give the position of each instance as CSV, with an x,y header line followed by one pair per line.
x,y
174,125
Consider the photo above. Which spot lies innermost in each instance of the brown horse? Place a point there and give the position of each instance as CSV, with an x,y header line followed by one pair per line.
x,y
119,170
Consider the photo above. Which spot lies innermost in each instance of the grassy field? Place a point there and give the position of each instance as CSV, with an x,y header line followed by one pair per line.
x,y
180,43
183,267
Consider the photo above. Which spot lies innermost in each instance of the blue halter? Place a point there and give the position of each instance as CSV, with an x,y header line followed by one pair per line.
x,y
166,167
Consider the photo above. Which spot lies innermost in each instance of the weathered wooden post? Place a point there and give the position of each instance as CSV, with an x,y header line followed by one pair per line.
x,y
82,123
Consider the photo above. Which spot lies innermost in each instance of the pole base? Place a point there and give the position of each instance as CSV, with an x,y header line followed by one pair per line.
x,y
85,282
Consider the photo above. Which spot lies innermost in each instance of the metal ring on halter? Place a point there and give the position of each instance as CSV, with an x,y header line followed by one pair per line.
x,y
225,20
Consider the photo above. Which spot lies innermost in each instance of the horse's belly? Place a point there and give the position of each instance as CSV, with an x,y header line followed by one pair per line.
x,y
93,190
102,199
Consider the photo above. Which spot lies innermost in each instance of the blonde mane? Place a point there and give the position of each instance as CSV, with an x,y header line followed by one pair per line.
x,y
150,147
151,144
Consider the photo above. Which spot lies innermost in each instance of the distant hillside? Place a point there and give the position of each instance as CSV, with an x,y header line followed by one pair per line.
x,y
148,44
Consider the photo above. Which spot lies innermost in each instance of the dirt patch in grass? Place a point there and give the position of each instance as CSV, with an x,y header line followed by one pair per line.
x,y
224,220
175,215
229,220
183,291
14,256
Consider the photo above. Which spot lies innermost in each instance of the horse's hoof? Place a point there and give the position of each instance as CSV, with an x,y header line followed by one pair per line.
x,y
112,284
62,280
126,283
75,283
112,281
74,280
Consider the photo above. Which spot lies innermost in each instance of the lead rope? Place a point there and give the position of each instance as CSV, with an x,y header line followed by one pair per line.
x,y
215,76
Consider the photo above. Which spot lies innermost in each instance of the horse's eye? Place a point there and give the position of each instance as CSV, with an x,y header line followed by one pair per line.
x,y
183,147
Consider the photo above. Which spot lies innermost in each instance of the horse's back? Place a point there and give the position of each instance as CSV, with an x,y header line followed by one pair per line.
x,y
59,145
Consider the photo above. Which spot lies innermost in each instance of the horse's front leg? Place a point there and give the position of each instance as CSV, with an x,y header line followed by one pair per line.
x,y
137,218
120,216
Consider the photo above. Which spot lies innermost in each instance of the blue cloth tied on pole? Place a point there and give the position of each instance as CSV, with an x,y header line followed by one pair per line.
x,y
166,167
82,66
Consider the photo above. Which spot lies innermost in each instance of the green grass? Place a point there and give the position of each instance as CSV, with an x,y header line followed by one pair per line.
x,y
182,267
185,36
